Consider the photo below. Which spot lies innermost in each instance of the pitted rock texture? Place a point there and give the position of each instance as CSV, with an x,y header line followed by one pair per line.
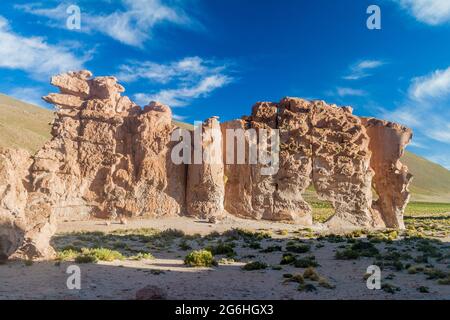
x,y
108,157
14,165
205,189
387,143
26,222
323,145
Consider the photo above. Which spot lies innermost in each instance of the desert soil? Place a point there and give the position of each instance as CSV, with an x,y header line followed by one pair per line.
x,y
121,279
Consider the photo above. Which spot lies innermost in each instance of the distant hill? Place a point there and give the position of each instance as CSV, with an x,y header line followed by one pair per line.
x,y
26,126
431,181
23,125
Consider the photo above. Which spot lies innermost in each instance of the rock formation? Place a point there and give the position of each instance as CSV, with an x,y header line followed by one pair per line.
x,y
108,157
111,159
387,143
205,188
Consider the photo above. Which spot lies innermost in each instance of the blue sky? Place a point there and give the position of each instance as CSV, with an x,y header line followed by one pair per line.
x,y
217,57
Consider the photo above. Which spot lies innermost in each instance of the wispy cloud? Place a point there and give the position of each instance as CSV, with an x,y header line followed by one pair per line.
x,y
132,25
182,96
426,106
432,12
185,70
433,86
343,92
34,55
362,69
179,81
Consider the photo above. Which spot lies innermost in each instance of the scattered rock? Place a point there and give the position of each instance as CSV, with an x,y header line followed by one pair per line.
x,y
151,292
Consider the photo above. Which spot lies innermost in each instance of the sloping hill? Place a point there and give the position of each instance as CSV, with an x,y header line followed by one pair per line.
x,y
23,125
431,181
26,126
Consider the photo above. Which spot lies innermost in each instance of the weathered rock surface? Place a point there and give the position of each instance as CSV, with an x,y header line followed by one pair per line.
x,y
323,145
205,189
26,222
387,143
14,166
108,157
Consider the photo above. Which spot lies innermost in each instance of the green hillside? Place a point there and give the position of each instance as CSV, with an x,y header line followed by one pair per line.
x,y
431,181
26,126
23,125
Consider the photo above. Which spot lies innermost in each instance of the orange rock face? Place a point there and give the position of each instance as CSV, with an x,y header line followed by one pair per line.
x,y
387,143
111,159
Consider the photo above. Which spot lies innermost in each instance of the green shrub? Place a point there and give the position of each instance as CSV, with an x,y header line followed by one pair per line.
x,y
306,262
142,256
389,288
271,249
200,258
298,248
66,255
222,248
103,254
423,289
86,258
445,281
255,265
287,258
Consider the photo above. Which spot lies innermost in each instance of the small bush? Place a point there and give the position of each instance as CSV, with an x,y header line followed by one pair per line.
x,y
200,258
445,281
86,258
298,248
255,265
298,278
311,274
67,255
323,282
271,249
142,256
184,246
423,289
389,288
306,262
287,258
103,254
222,248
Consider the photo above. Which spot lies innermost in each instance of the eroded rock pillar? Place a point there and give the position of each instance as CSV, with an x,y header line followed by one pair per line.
x,y
387,143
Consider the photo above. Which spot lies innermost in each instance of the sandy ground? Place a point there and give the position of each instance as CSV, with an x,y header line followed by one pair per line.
x,y
121,279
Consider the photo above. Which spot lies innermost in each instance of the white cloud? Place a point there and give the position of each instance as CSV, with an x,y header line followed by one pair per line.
x,y
132,26
440,132
182,96
343,92
426,107
185,79
34,55
186,69
433,86
361,69
432,12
